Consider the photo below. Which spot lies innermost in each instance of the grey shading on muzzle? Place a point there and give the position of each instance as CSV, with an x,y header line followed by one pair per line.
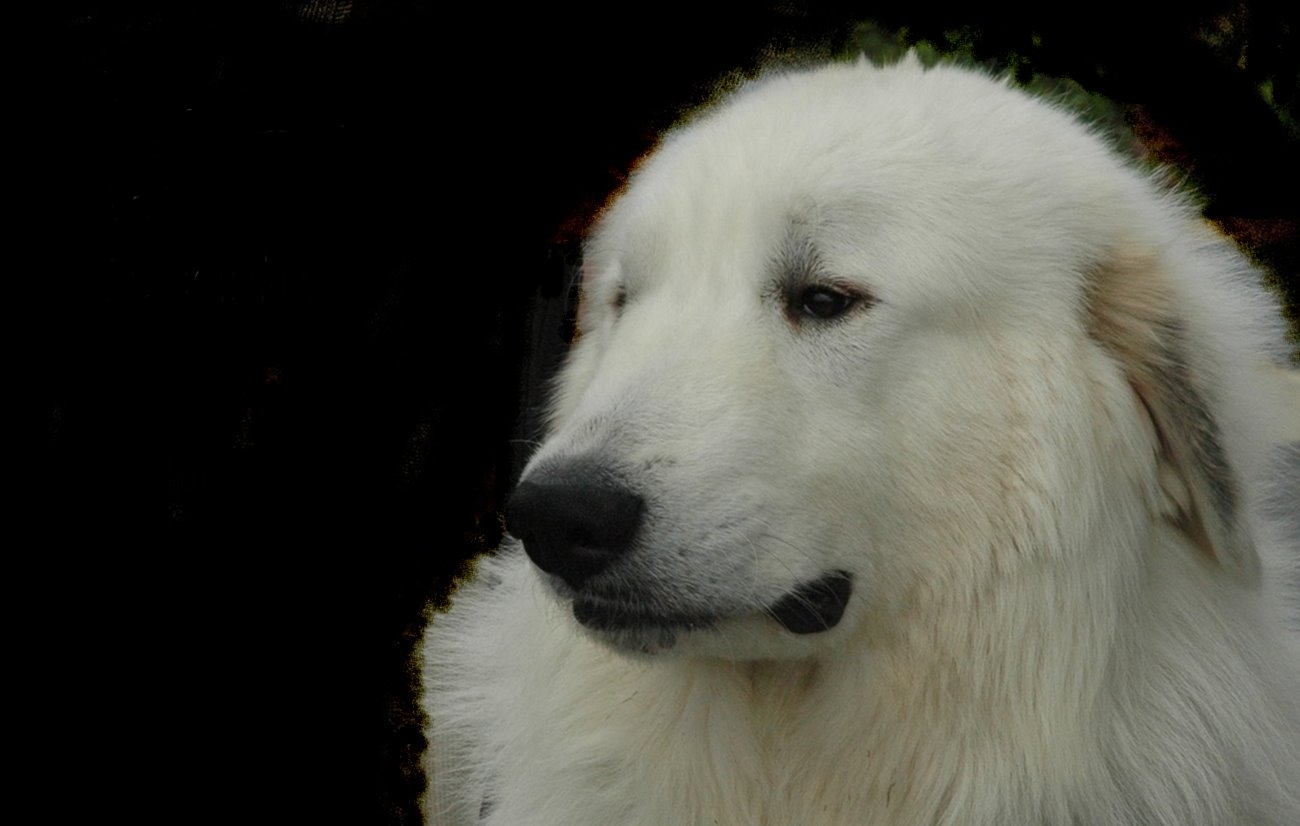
x,y
574,518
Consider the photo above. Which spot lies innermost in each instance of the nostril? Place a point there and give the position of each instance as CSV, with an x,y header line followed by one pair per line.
x,y
574,520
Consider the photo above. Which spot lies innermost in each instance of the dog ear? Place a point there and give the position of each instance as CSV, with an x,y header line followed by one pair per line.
x,y
1135,313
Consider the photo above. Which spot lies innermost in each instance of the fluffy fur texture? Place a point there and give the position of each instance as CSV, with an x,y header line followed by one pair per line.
x,y
921,332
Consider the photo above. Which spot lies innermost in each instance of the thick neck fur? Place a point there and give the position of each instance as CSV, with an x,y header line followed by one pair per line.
x,y
942,705
975,694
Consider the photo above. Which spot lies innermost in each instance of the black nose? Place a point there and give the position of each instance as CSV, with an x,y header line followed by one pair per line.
x,y
574,519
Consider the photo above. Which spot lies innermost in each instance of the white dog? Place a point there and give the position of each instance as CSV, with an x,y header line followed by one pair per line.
x,y
908,470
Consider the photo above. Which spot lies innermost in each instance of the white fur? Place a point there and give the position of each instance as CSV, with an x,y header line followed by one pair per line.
x,y
1059,614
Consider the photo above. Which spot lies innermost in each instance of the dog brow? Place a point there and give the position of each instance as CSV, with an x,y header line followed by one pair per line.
x,y
797,261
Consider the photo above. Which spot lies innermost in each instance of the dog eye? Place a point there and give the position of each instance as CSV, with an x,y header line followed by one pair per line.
x,y
824,302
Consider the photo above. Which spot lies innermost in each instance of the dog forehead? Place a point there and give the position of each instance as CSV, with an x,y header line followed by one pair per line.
x,y
854,142
844,128
942,189
709,202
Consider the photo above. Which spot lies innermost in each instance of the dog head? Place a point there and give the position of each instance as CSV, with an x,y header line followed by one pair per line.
x,y
849,343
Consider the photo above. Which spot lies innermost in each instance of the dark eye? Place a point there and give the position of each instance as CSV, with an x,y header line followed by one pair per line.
x,y
824,302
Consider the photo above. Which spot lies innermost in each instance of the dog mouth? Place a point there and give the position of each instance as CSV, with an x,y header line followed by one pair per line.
x,y
814,606
635,628
601,613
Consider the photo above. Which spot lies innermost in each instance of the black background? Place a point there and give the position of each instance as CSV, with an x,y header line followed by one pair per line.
x,y
299,263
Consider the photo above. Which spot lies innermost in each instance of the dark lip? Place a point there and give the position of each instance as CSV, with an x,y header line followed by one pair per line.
x,y
606,614
815,606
